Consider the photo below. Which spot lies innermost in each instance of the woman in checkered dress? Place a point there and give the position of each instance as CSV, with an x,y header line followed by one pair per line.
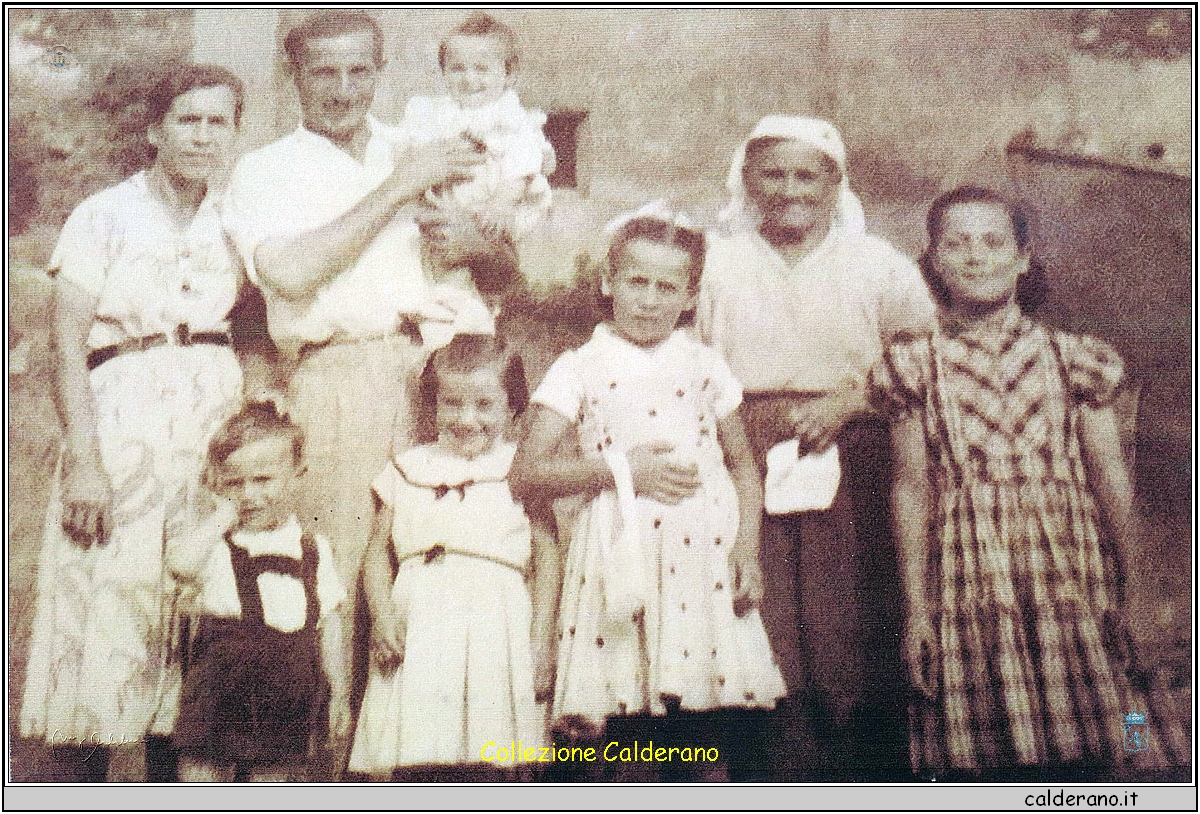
x,y
1011,500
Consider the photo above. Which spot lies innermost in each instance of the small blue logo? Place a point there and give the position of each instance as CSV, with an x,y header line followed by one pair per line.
x,y
60,56
1137,732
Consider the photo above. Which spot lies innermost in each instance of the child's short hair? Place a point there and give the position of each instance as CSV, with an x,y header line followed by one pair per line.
x,y
1032,286
329,24
467,353
688,240
255,421
480,24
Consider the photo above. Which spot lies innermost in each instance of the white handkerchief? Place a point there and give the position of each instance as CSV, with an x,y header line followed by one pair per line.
x,y
451,311
796,484
625,582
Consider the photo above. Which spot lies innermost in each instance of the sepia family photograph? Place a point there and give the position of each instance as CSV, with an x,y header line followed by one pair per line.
x,y
579,395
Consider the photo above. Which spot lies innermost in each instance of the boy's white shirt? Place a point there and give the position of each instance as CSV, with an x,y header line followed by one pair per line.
x,y
200,563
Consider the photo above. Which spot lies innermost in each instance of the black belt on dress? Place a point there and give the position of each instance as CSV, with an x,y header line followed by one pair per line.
x,y
182,336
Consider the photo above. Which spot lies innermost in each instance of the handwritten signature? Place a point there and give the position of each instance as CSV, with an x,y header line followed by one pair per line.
x,y
94,740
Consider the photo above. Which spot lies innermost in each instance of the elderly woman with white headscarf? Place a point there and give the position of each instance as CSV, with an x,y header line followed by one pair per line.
x,y
802,301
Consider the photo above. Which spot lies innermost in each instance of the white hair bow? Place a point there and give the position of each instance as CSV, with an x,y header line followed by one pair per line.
x,y
657,210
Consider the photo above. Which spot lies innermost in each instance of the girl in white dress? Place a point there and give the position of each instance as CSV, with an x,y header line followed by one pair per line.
x,y
451,667
658,612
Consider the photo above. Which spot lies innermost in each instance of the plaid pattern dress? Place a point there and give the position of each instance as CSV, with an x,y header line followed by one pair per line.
x,y
1019,579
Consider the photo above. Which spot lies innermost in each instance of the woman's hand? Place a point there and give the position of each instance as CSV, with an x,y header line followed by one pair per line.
x,y
921,652
387,639
87,498
657,476
747,577
817,422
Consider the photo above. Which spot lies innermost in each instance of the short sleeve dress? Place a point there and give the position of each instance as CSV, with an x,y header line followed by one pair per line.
x,y
687,644
463,546
101,659
1019,577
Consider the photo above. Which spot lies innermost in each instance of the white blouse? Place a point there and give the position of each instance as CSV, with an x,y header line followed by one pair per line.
x,y
813,325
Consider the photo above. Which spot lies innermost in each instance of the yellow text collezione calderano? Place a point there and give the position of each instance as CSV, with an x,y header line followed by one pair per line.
x,y
613,752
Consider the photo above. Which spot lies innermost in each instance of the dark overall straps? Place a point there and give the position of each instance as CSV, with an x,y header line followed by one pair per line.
x,y
247,569
281,678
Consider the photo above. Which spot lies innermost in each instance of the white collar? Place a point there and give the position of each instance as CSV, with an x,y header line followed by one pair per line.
x,y
207,207
432,466
283,537
610,339
378,133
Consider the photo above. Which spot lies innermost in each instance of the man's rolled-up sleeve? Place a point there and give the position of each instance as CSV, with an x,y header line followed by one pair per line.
x,y
257,206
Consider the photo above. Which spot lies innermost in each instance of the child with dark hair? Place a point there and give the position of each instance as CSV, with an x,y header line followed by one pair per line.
x,y
1012,509
264,592
1032,283
509,193
658,620
451,665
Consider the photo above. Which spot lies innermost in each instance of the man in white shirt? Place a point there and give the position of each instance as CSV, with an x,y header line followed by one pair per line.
x,y
319,219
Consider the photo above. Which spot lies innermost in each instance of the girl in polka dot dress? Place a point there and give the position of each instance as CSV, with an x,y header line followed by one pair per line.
x,y
658,616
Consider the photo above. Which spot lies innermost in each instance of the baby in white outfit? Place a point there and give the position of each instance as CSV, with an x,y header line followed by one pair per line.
x,y
509,193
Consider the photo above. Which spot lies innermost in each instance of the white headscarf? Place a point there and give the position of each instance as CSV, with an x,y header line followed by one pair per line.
x,y
816,133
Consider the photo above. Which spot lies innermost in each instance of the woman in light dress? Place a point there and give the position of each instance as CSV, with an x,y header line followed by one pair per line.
x,y
144,373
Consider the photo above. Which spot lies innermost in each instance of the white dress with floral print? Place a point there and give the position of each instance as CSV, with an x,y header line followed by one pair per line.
x,y
101,667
